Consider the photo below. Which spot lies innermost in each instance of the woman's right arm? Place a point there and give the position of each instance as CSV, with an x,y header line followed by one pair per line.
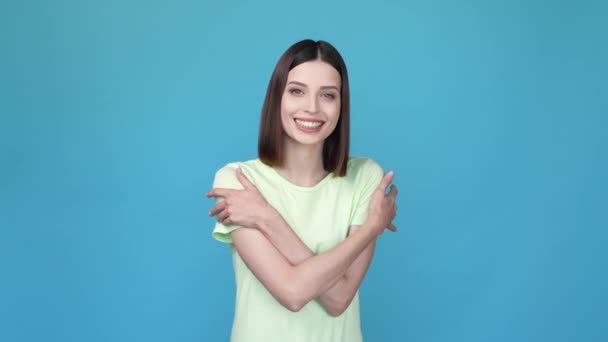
x,y
295,285
338,297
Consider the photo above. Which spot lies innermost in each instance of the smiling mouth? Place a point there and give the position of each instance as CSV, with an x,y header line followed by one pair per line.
x,y
308,124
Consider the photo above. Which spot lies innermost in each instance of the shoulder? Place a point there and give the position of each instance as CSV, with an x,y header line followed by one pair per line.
x,y
363,173
232,166
363,167
225,177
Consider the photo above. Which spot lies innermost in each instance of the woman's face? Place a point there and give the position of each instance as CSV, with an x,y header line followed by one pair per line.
x,y
310,105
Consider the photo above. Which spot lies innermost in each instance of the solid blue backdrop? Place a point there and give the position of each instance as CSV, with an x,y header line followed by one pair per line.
x,y
115,116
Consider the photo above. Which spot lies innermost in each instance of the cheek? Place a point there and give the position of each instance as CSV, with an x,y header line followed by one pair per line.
x,y
332,109
288,106
287,109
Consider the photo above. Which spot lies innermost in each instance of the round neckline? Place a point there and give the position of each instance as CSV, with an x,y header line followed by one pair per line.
x,y
276,175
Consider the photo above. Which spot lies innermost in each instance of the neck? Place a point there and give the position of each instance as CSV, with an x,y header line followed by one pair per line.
x,y
302,164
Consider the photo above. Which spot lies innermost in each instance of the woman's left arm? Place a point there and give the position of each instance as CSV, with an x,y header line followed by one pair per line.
x,y
337,298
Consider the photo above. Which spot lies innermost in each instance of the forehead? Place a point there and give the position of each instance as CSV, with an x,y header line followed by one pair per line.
x,y
315,73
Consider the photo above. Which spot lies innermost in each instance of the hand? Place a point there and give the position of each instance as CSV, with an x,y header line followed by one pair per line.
x,y
382,208
245,207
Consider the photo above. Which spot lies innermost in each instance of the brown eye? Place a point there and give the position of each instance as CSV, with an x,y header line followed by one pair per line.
x,y
329,96
296,91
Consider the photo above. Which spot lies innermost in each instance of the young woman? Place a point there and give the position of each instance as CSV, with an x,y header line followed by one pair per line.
x,y
303,218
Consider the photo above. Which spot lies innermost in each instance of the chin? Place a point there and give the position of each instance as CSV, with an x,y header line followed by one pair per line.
x,y
306,139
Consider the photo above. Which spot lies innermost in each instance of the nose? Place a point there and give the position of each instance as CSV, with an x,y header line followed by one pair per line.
x,y
313,104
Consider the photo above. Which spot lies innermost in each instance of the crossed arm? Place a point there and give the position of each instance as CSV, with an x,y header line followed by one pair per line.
x,y
337,297
291,272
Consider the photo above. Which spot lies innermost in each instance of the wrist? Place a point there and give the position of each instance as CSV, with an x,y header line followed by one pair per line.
x,y
373,228
266,219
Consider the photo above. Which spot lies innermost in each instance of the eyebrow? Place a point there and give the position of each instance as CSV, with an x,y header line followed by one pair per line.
x,y
305,86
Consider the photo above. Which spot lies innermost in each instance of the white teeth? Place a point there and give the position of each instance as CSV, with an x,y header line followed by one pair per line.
x,y
309,124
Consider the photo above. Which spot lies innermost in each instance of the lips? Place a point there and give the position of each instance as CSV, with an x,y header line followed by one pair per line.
x,y
308,126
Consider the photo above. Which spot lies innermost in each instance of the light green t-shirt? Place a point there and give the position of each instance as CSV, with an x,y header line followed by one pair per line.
x,y
321,216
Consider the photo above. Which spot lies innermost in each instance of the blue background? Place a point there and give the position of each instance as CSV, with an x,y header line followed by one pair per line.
x,y
115,116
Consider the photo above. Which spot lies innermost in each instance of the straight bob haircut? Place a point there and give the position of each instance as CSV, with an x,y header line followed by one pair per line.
x,y
272,135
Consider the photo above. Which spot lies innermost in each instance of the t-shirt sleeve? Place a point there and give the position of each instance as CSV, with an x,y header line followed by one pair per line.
x,y
367,178
225,178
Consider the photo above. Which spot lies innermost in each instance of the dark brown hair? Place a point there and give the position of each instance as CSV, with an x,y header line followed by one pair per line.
x,y
270,141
